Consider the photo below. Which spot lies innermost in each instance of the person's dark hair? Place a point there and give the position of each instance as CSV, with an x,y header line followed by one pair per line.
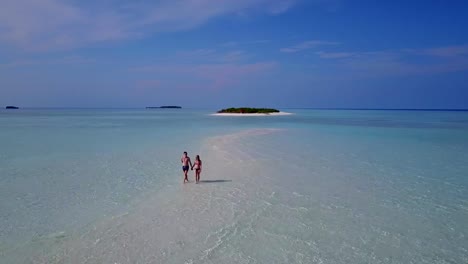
x,y
197,157
185,152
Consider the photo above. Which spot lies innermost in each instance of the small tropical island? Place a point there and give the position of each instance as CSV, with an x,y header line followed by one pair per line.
x,y
164,107
11,107
249,111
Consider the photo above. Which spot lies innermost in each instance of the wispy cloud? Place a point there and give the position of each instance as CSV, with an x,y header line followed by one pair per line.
x,y
400,62
33,62
281,6
335,55
307,45
231,44
211,55
196,54
148,83
55,24
449,51
212,76
234,56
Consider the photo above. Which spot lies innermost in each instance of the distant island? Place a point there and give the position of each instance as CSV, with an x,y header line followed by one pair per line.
x,y
164,106
11,107
248,110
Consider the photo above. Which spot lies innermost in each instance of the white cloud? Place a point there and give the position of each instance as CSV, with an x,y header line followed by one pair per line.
x,y
281,6
335,55
449,51
307,45
231,44
196,54
55,24
236,55
396,62
67,60
212,76
210,55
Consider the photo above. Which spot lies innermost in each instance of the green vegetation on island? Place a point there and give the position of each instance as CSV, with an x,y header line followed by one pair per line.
x,y
248,110
164,106
11,107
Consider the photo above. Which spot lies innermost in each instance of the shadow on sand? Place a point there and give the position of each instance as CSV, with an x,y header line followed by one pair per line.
x,y
214,181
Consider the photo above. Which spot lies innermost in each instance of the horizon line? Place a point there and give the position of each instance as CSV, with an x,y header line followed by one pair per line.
x,y
305,108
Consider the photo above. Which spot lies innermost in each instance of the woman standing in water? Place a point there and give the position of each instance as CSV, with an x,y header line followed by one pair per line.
x,y
197,164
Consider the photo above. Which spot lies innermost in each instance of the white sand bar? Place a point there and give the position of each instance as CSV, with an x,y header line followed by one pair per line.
x,y
252,114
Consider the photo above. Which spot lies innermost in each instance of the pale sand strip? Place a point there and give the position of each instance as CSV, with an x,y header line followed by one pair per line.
x,y
254,114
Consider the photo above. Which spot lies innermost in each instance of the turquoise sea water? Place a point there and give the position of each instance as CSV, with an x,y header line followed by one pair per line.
x,y
318,186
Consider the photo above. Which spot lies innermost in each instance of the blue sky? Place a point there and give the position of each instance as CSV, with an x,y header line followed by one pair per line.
x,y
218,53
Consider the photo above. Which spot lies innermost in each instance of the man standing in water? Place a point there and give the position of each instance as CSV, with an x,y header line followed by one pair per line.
x,y
185,165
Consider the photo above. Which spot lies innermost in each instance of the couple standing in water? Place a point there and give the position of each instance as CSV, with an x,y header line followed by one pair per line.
x,y
197,164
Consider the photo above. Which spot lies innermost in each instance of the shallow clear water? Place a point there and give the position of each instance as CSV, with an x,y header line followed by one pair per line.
x,y
105,186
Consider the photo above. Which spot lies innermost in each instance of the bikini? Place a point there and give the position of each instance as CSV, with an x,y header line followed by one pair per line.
x,y
197,165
